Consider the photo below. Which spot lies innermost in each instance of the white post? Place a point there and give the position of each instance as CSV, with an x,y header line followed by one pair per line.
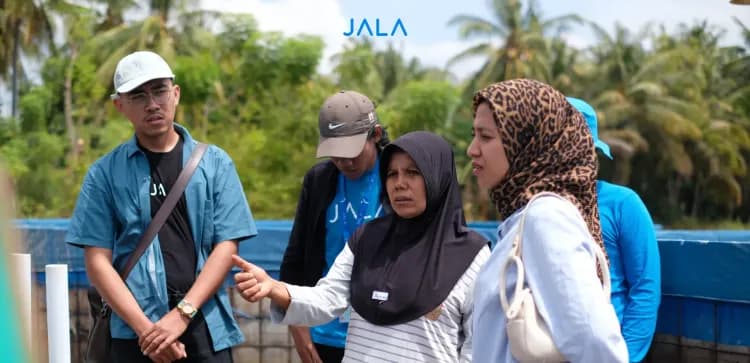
x,y
58,313
22,273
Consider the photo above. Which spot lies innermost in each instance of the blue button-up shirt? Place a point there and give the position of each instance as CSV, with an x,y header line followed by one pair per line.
x,y
114,209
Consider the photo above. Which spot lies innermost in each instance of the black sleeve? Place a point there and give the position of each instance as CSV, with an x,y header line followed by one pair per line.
x,y
293,265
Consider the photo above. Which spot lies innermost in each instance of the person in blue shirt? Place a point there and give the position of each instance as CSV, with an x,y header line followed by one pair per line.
x,y
634,263
173,304
338,195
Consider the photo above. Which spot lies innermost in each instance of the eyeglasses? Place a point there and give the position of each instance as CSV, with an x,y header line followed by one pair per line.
x,y
143,98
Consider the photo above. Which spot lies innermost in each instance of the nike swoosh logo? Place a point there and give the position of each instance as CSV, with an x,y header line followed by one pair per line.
x,y
332,126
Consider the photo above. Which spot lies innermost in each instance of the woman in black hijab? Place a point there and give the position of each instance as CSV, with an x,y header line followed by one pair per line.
x,y
409,276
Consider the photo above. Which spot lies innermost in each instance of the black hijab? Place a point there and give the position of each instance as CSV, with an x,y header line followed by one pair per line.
x,y
405,268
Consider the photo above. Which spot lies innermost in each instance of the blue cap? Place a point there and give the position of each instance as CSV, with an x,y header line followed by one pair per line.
x,y
590,115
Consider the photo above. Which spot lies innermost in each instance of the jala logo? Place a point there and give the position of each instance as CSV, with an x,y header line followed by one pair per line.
x,y
364,25
158,189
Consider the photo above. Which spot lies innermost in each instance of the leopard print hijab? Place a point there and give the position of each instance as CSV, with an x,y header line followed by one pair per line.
x,y
548,145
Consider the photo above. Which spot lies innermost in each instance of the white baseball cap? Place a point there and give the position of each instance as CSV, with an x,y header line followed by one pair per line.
x,y
138,68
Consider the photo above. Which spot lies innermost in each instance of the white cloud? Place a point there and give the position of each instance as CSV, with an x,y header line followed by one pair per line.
x,y
577,40
635,14
323,18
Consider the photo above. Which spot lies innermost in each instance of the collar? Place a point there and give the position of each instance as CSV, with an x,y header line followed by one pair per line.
x,y
131,146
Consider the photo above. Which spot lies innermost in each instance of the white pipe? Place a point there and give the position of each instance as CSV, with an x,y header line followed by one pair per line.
x,y
21,263
58,313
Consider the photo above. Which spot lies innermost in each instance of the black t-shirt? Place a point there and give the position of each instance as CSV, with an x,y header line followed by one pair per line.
x,y
175,237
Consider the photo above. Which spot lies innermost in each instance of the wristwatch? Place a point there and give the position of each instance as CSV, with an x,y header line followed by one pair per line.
x,y
186,309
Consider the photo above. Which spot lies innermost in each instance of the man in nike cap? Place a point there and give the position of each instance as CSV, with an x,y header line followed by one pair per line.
x,y
344,121
338,195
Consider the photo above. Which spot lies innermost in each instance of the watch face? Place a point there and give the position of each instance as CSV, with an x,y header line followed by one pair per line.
x,y
186,308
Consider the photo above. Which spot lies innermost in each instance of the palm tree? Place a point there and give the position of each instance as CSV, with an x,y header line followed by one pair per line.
x,y
522,34
514,46
26,30
669,108
719,153
79,24
356,69
153,32
114,14
635,96
378,72
738,69
567,70
641,117
394,69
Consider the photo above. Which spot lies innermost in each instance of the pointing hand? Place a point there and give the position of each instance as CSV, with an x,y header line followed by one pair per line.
x,y
252,282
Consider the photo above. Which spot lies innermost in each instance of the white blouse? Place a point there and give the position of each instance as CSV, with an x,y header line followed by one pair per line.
x,y
446,339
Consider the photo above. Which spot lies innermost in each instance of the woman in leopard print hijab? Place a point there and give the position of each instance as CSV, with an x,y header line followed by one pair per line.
x,y
528,139
548,145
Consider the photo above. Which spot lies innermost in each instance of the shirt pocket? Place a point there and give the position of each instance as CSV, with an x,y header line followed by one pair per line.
x,y
127,204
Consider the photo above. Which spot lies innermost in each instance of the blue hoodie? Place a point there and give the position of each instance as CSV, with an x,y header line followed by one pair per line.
x,y
630,241
634,264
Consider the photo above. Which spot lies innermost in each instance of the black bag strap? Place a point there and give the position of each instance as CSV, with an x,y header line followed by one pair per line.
x,y
166,208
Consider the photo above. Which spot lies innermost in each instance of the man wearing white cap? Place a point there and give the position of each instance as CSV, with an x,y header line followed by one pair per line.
x,y
630,240
172,304
338,195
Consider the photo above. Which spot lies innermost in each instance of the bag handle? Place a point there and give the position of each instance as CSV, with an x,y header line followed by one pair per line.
x,y
166,209
514,257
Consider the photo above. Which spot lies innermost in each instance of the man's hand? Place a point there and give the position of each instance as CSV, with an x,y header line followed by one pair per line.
x,y
174,352
163,333
253,282
304,345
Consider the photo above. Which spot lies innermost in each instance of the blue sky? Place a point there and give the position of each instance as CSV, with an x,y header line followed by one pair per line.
x,y
428,19
434,42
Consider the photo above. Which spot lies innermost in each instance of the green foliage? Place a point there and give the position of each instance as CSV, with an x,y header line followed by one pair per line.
x,y
680,105
36,109
420,105
273,153
356,69
272,59
34,161
86,89
198,73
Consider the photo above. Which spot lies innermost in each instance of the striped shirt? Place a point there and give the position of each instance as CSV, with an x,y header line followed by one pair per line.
x,y
446,339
